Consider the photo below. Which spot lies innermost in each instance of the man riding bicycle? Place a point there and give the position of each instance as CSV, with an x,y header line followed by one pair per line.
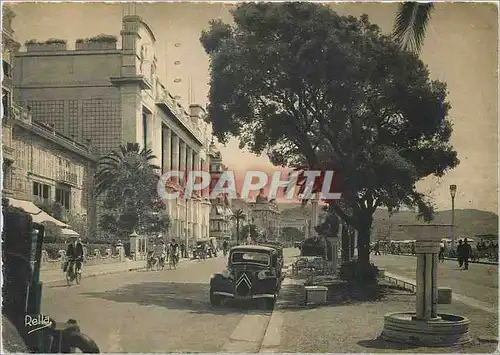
x,y
160,251
174,252
74,254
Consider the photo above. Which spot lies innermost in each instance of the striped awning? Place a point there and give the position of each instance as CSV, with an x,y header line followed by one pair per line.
x,y
36,213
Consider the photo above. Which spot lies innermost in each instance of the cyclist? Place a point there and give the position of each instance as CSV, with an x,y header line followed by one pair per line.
x,y
151,261
174,252
74,254
160,251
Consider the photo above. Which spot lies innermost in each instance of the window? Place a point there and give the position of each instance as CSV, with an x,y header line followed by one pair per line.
x,y
64,198
144,129
6,102
6,69
7,175
250,257
41,190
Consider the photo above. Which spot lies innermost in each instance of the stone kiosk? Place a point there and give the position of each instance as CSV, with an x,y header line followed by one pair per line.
x,y
426,327
137,246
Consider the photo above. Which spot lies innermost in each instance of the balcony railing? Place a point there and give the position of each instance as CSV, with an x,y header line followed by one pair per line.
x,y
67,177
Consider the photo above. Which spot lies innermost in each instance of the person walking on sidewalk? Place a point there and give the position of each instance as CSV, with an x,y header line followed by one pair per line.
x,y
467,253
183,250
460,253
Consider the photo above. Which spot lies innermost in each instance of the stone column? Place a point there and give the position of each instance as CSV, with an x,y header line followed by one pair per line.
x,y
314,215
175,152
166,151
182,158
189,159
427,290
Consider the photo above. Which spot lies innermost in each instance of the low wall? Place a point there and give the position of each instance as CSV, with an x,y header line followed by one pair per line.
x,y
56,264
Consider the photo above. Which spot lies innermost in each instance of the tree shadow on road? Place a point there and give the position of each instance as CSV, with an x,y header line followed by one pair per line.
x,y
380,343
192,297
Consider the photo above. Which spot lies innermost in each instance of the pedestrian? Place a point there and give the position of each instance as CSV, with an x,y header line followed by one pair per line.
x,y
460,253
467,253
376,248
183,250
441,252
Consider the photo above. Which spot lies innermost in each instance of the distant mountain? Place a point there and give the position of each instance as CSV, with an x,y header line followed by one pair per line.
x,y
469,222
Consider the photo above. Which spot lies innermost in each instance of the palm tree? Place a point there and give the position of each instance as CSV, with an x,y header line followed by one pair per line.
x,y
238,216
410,25
128,163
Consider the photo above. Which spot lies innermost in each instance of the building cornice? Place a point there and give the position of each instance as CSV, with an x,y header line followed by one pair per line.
x,y
57,139
140,80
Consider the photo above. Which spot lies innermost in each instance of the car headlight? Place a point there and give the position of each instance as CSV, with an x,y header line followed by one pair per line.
x,y
225,273
262,275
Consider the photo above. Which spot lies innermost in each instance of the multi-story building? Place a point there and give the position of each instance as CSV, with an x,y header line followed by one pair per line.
x,y
266,216
39,163
220,213
113,96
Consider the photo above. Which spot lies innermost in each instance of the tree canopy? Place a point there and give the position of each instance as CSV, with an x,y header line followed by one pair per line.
x,y
127,181
312,88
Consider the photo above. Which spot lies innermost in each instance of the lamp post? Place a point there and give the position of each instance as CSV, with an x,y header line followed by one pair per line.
x,y
453,193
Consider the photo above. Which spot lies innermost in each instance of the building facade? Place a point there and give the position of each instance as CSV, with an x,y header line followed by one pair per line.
x,y
113,96
40,164
302,224
266,216
221,215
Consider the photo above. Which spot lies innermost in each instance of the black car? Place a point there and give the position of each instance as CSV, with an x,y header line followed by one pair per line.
x,y
253,272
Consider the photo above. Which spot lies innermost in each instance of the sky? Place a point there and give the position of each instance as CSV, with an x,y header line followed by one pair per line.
x,y
461,48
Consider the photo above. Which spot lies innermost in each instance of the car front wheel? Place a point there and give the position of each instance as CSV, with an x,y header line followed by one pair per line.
x,y
215,300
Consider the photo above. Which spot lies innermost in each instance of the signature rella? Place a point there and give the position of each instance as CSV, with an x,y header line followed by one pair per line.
x,y
195,182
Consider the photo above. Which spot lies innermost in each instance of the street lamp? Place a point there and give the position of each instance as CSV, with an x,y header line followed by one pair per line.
x,y
453,193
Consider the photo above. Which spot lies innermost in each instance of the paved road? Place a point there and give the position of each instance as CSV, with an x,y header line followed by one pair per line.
x,y
160,311
480,282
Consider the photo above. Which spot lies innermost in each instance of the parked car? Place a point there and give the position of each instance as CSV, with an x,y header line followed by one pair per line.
x,y
276,245
253,272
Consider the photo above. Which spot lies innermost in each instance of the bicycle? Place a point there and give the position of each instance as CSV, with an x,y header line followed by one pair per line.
x,y
161,262
174,260
72,274
151,263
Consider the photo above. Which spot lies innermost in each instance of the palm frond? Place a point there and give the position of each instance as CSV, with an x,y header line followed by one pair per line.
x,y
410,25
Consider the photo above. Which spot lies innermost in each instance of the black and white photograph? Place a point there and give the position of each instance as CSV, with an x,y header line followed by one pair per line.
x,y
249,177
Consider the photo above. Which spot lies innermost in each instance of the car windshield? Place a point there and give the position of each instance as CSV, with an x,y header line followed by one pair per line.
x,y
250,257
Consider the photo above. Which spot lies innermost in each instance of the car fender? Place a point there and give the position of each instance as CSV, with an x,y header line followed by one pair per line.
x,y
218,280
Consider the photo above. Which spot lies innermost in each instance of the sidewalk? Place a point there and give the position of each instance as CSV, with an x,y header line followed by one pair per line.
x,y
56,275
481,261
354,327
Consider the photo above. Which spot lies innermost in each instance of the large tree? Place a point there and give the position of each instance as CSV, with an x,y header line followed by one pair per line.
x,y
313,88
127,181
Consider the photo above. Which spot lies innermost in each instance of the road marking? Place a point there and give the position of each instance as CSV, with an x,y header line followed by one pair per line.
x,y
114,340
247,336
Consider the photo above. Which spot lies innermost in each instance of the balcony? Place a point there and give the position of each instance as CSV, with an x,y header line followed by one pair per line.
x,y
67,177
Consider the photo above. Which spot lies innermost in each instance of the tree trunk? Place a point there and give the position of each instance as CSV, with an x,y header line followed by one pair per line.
x,y
237,231
346,241
364,243
352,241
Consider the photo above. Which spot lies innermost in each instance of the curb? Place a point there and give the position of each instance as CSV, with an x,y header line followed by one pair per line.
x,y
272,336
102,273
453,259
